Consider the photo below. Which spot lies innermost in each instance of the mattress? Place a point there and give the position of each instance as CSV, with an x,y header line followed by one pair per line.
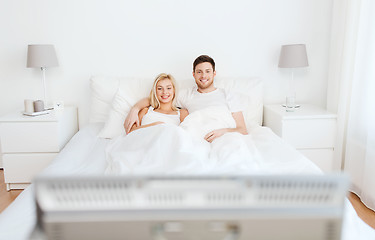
x,y
85,154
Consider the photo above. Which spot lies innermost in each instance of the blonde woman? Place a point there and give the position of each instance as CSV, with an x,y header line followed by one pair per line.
x,y
163,104
162,149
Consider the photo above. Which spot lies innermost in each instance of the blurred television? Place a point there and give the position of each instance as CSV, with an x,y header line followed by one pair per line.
x,y
260,207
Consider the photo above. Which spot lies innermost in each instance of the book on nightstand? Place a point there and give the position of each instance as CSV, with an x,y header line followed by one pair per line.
x,y
32,114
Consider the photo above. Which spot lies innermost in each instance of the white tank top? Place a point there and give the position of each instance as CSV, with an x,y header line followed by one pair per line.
x,y
151,116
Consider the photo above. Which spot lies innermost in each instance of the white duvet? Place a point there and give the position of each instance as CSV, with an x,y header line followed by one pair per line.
x,y
170,149
163,148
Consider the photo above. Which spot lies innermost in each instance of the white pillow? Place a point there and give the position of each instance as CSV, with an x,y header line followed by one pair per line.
x,y
250,91
112,99
103,89
120,108
129,92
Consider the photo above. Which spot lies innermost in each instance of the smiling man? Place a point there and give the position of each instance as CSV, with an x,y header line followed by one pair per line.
x,y
203,95
204,73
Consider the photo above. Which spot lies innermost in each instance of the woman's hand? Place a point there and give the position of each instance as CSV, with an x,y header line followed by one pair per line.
x,y
215,134
131,119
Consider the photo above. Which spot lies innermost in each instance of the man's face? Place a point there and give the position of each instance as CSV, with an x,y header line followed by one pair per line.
x,y
204,76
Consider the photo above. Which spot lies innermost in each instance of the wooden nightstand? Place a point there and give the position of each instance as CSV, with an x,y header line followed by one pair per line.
x,y
310,129
29,144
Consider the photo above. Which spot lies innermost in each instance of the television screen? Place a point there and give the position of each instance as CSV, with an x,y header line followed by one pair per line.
x,y
190,207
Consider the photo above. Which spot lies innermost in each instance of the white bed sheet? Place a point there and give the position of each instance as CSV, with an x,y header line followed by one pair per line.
x,y
85,155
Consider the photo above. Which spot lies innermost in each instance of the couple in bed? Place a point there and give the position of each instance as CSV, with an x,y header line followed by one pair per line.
x,y
204,95
207,114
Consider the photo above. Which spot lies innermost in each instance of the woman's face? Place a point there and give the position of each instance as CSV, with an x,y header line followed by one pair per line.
x,y
164,91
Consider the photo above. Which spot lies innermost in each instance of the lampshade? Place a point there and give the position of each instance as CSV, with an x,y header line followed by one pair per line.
x,y
41,55
293,56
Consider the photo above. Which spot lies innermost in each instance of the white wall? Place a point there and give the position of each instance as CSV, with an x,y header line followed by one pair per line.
x,y
144,38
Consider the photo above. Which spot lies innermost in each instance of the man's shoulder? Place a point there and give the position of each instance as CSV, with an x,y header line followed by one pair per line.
x,y
223,90
187,91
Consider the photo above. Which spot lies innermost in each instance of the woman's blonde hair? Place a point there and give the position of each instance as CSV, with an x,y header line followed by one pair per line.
x,y
153,98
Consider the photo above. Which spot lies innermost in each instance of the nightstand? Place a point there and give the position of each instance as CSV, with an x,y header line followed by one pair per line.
x,y
29,144
310,129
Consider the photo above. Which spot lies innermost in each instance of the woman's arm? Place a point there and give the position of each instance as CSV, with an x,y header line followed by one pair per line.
x,y
240,127
183,114
133,116
144,126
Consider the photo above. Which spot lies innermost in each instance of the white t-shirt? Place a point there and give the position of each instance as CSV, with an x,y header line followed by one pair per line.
x,y
192,100
151,116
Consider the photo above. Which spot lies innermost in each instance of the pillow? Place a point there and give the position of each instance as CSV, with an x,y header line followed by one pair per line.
x,y
103,89
250,91
112,99
120,108
129,92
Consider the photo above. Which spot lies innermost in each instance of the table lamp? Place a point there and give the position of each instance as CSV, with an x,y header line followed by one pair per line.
x,y
41,56
292,56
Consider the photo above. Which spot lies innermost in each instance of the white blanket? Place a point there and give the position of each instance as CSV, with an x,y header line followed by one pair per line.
x,y
169,149
201,122
163,148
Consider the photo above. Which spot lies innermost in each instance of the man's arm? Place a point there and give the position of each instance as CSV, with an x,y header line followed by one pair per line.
x,y
240,127
132,117
240,123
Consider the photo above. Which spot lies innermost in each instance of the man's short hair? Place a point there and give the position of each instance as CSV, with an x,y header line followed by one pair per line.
x,y
202,59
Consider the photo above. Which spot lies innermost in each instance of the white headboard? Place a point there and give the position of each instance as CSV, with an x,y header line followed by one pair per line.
x,y
112,97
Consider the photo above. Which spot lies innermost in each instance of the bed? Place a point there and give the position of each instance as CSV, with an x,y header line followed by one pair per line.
x,y
85,153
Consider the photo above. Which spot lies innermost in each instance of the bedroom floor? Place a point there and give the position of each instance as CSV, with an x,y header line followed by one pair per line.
x,y
6,197
367,215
